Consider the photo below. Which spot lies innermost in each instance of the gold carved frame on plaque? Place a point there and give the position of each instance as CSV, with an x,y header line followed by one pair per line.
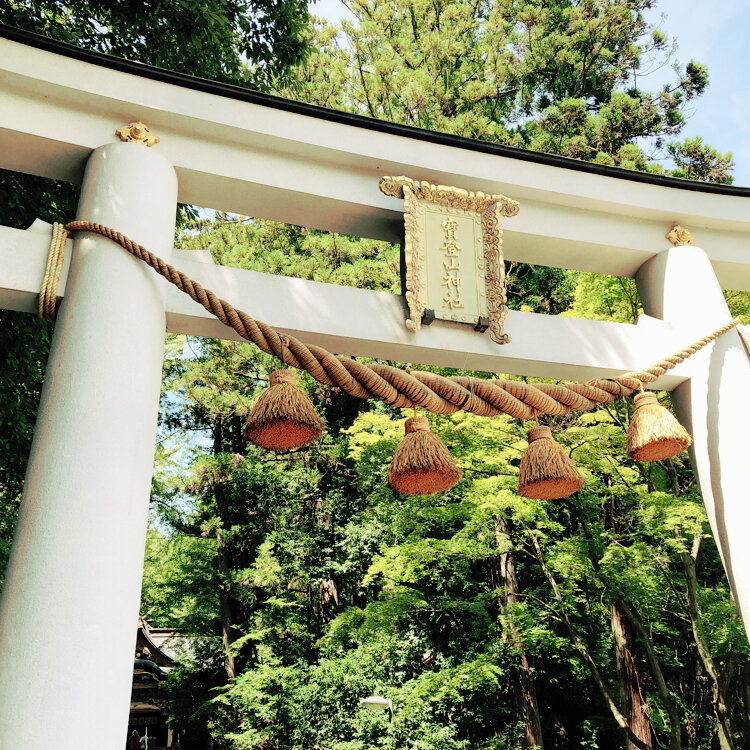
x,y
489,208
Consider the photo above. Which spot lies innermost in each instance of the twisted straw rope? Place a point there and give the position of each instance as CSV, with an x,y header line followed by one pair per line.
x,y
402,388
47,305
745,336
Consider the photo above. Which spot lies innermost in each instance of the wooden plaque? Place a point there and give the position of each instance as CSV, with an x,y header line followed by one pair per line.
x,y
454,263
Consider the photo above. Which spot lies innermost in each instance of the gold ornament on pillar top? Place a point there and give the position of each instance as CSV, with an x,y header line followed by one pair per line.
x,y
137,132
453,261
679,236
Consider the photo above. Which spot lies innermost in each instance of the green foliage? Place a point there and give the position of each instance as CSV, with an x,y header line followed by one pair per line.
x,y
419,618
339,588
562,77
599,297
214,39
180,582
540,288
284,250
696,160
739,305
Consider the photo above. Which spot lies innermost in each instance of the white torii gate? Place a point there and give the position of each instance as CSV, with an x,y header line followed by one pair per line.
x,y
77,557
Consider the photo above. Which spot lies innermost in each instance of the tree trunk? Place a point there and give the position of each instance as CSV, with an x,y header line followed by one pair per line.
x,y
582,649
525,704
629,611
675,724
632,703
227,629
746,698
222,563
721,705
329,600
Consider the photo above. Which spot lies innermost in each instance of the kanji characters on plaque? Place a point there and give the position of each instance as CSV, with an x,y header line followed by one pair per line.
x,y
452,266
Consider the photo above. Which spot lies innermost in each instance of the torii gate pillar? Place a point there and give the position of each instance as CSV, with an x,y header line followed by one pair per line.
x,y
680,286
69,609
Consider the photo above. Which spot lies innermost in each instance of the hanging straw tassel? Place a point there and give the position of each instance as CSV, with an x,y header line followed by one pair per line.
x,y
283,417
547,472
654,434
421,464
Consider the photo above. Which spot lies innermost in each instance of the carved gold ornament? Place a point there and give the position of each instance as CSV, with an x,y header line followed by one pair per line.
x,y
679,236
453,258
137,132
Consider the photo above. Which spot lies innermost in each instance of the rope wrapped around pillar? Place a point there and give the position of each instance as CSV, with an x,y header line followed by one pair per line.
x,y
408,388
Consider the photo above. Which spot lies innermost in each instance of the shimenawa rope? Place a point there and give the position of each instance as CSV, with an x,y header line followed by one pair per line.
x,y
406,389
47,306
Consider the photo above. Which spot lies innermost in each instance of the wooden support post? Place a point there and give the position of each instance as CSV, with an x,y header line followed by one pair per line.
x,y
69,610
680,286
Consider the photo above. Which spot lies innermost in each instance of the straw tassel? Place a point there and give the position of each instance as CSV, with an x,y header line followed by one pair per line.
x,y
547,472
421,464
283,417
654,434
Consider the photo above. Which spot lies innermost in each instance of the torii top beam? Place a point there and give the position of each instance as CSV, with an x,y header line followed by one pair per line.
x,y
262,156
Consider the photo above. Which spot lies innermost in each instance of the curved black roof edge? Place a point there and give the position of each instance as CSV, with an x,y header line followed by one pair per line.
x,y
146,665
359,121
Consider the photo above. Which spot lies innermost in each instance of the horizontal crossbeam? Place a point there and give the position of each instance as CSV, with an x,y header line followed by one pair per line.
x,y
366,323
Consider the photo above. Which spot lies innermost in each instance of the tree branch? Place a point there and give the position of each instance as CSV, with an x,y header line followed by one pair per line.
x,y
582,650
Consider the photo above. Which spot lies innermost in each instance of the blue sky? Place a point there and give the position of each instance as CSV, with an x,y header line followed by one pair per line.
x,y
717,34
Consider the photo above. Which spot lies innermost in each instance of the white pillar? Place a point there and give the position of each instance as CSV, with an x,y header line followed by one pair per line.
x,y
68,615
680,286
